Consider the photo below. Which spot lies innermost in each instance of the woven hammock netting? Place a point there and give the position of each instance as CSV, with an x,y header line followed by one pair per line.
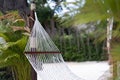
x,y
45,57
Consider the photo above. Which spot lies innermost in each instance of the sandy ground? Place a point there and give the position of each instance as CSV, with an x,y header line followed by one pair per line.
x,y
88,70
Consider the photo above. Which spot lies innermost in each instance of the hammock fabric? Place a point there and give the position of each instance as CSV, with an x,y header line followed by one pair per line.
x,y
45,57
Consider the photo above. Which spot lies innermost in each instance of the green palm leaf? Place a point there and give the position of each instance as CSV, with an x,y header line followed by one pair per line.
x,y
11,51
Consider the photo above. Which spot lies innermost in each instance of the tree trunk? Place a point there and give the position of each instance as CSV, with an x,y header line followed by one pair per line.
x,y
52,25
46,26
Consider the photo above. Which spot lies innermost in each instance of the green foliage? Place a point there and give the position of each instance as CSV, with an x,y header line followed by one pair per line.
x,y
45,12
115,51
79,48
94,10
97,10
12,55
11,52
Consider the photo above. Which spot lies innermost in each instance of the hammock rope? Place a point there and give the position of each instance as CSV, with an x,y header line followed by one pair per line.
x,y
45,57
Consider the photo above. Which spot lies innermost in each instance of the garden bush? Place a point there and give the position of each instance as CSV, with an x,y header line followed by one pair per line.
x,y
80,48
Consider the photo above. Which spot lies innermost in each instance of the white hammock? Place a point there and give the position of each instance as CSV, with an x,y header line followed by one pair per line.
x,y
45,57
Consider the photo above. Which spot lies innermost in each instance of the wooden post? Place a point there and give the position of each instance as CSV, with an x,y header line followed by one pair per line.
x,y
32,15
109,37
31,24
113,64
31,20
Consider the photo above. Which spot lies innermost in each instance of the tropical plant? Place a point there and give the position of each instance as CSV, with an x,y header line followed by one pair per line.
x,y
11,51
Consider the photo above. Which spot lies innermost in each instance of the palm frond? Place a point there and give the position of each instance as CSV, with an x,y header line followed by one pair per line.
x,y
21,43
4,36
88,17
6,57
115,51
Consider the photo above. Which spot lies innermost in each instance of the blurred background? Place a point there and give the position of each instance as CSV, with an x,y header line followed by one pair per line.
x,y
83,30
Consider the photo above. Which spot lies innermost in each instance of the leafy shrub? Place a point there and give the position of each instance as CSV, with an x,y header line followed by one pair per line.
x,y
80,48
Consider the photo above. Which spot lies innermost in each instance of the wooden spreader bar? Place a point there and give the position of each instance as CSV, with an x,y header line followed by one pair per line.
x,y
50,52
